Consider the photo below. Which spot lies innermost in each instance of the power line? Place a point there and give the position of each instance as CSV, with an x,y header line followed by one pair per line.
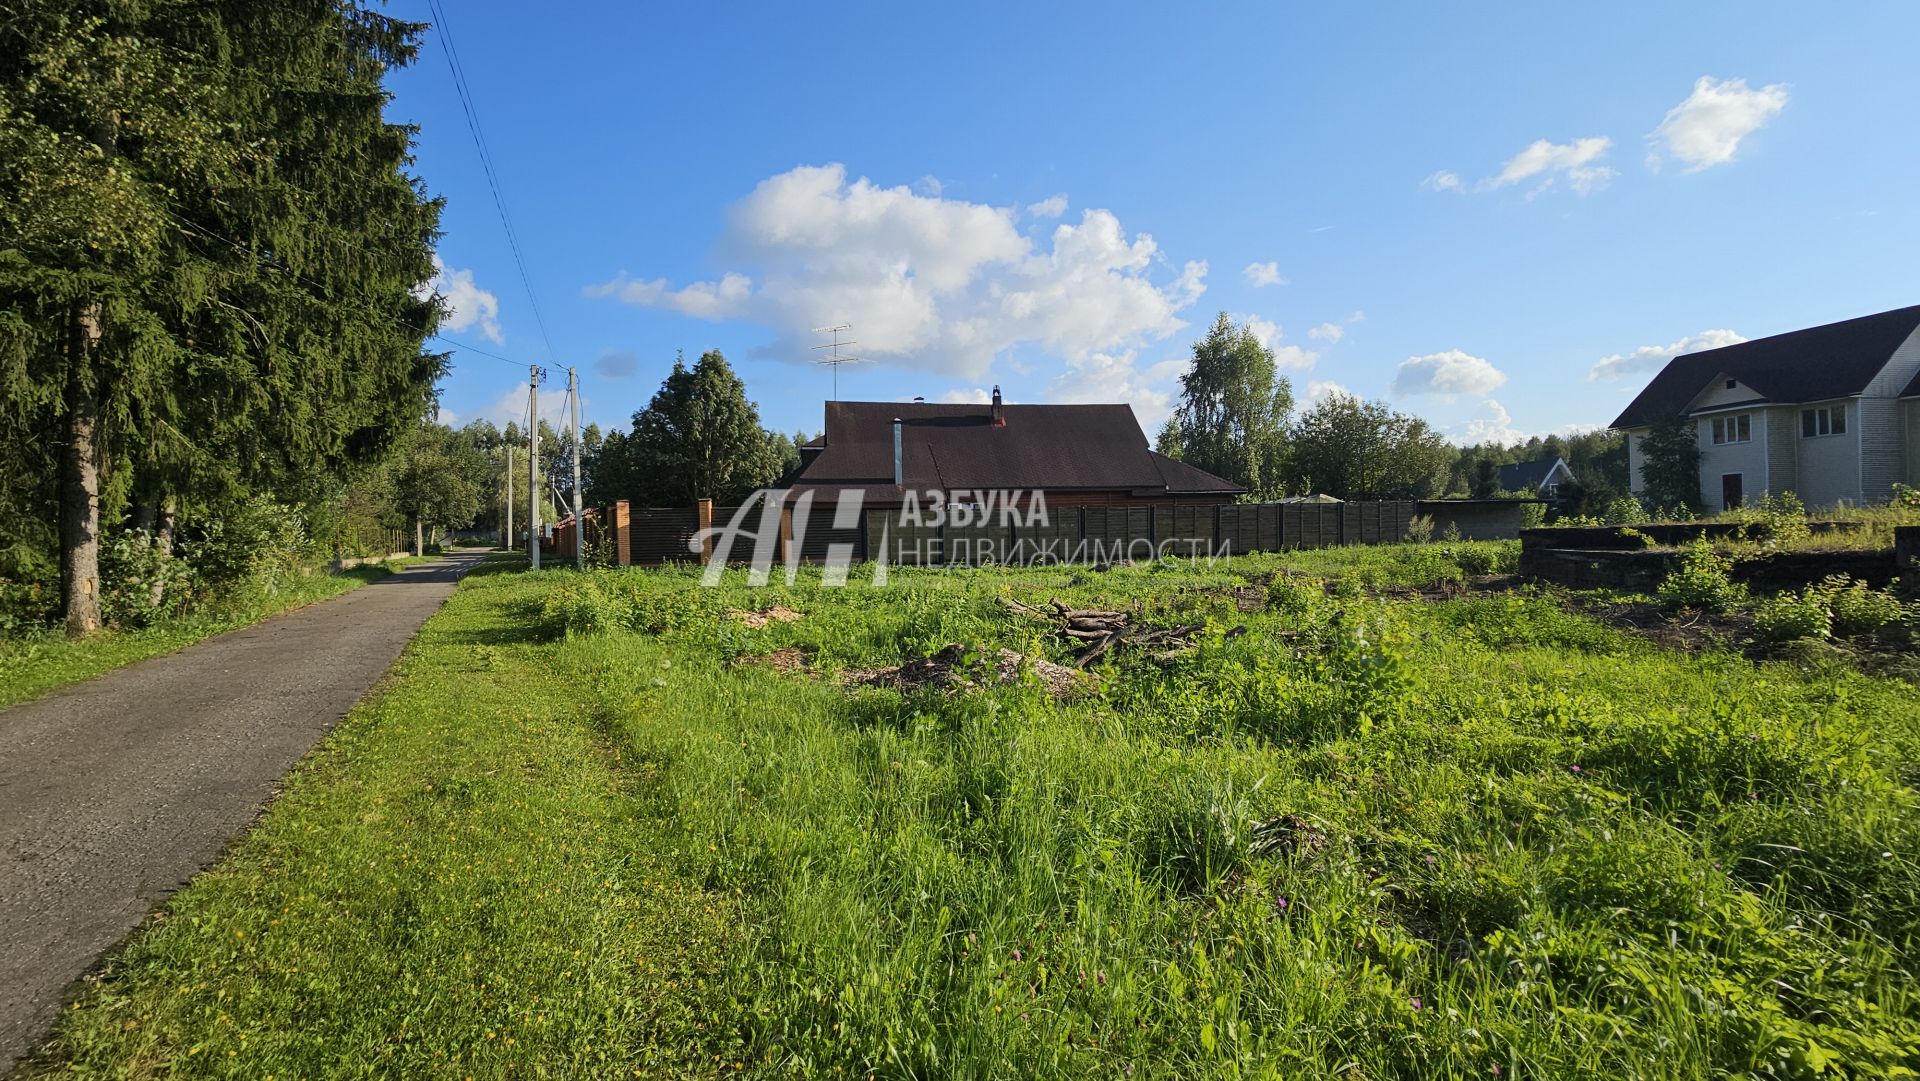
x,y
486,164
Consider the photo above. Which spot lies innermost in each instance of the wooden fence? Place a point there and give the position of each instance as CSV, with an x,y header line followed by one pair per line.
x,y
630,535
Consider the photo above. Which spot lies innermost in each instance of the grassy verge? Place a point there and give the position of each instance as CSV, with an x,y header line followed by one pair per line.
x,y
449,886
32,667
1366,837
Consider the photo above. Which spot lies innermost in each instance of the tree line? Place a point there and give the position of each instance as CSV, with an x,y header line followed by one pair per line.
x,y
1235,419
211,248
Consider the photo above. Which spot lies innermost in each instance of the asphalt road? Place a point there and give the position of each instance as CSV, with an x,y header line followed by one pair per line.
x,y
116,791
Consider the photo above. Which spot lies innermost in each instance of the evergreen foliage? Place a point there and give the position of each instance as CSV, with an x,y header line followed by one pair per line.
x,y
1670,469
210,263
699,438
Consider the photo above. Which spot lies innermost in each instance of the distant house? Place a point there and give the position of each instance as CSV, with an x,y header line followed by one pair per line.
x,y
1830,413
1078,455
1544,476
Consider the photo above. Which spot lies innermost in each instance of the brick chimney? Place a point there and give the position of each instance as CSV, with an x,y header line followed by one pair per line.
x,y
999,415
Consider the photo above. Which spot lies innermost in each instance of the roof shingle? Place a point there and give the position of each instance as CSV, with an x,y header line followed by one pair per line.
x,y
1055,447
1831,361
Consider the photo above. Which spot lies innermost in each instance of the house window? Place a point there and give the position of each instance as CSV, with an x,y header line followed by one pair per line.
x,y
1732,383
1826,420
1734,429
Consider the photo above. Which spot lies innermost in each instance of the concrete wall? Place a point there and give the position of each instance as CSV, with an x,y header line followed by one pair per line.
x,y
1501,519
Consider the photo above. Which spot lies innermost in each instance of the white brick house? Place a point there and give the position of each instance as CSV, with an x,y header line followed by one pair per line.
x,y
1830,413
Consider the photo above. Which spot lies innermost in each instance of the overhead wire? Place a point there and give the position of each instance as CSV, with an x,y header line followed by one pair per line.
x,y
468,107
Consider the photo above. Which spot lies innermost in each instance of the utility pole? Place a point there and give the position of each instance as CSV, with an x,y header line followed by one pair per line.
x,y
573,436
507,541
533,466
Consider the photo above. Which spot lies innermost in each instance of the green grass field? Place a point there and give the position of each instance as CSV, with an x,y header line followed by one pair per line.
x,y
31,667
1366,838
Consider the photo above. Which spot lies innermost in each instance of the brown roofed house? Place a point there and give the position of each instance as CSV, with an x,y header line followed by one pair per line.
x,y
1078,455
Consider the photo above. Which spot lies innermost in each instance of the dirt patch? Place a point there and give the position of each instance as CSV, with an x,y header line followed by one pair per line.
x,y
756,620
1454,589
792,660
956,668
1686,631
1093,633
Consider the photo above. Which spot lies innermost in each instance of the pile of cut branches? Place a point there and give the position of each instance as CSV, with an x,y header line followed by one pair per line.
x,y
1094,633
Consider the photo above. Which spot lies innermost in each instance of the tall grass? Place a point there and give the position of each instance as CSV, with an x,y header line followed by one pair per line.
x,y
1364,838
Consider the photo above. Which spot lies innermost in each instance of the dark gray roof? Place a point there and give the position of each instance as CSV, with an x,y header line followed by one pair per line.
x,y
1809,365
1055,447
1520,476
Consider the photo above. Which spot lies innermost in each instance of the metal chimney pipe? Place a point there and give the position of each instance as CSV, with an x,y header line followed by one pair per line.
x,y
899,477
999,418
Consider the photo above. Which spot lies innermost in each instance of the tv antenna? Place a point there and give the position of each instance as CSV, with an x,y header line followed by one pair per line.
x,y
836,358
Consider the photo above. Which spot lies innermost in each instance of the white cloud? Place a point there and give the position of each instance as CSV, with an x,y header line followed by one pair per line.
x,y
1446,374
1357,316
1495,427
1327,332
1577,161
1444,180
1261,275
1705,130
968,396
1117,377
1292,356
1050,207
928,282
467,305
1268,333
446,416
512,406
1649,358
1265,331
1321,389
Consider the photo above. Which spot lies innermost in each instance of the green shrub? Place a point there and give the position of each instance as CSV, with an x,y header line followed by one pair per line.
x,y
1476,560
579,606
139,584
1857,609
26,606
1625,511
1420,529
1703,581
247,548
1792,616
1533,515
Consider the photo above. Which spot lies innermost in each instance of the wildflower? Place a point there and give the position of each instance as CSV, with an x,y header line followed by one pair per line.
x,y
1415,1001
1100,976
1576,768
1016,955
1496,1071
1280,903
1430,860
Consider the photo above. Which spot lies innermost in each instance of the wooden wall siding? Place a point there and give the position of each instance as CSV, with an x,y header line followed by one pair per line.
x,y
1071,533
660,535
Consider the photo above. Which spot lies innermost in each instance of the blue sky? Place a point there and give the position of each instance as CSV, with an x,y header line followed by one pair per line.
x,y
1502,219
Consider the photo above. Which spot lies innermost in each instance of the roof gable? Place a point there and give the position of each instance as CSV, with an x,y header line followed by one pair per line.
x,y
1815,364
959,447
1519,476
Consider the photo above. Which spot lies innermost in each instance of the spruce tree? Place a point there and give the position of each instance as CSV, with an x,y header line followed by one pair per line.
x,y
209,248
